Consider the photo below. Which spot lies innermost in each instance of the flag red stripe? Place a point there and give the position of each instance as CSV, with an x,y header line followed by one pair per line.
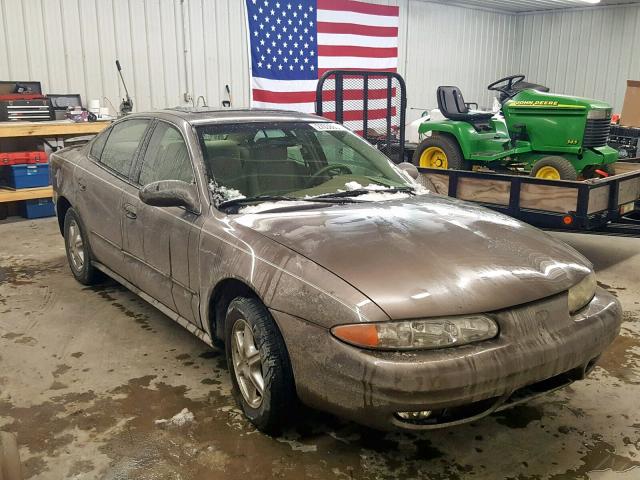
x,y
283,97
327,95
356,29
359,7
359,114
322,71
346,51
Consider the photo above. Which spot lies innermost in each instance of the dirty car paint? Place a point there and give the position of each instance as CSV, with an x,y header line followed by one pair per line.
x,y
314,269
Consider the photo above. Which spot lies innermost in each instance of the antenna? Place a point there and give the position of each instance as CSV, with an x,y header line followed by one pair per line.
x,y
126,106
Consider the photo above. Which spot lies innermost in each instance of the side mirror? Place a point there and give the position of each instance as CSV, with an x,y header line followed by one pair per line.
x,y
170,193
410,168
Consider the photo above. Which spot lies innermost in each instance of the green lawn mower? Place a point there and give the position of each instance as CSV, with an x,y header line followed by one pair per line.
x,y
547,135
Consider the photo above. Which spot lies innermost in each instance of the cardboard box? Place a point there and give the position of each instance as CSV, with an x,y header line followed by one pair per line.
x,y
631,107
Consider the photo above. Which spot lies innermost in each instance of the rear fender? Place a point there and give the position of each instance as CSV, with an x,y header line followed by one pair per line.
x,y
463,132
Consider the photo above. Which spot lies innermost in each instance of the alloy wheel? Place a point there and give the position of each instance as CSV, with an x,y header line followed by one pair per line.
x,y
76,246
247,363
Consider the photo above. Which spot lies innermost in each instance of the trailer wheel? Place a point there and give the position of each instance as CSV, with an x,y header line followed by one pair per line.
x,y
554,168
10,468
440,151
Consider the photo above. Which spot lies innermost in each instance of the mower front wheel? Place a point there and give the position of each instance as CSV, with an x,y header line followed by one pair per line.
x,y
554,168
440,151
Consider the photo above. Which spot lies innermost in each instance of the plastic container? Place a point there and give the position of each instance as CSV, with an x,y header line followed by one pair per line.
x,y
38,208
19,158
24,176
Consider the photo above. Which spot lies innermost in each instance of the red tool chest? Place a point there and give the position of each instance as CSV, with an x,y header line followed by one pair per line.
x,y
19,158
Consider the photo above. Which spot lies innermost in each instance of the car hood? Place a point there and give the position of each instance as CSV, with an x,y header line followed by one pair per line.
x,y
428,255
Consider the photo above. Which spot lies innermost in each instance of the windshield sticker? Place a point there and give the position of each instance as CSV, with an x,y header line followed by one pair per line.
x,y
326,127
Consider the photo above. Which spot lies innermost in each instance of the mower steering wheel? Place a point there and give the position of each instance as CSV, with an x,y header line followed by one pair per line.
x,y
339,167
508,82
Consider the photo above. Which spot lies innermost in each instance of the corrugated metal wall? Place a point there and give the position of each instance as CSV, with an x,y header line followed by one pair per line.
x,y
587,52
71,46
450,45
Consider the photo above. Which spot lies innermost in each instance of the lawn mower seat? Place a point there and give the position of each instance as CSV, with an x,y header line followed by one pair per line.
x,y
452,106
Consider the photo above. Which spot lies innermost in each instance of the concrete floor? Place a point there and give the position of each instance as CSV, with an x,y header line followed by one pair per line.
x,y
86,372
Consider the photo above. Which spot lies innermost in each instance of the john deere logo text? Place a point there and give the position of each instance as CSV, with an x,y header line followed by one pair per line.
x,y
535,103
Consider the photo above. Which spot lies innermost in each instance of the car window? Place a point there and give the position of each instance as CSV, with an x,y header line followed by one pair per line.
x,y
98,144
121,146
167,157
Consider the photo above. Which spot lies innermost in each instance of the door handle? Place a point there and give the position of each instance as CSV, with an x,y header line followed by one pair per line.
x,y
130,211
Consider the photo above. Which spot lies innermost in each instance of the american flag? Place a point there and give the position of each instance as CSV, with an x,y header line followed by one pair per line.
x,y
294,42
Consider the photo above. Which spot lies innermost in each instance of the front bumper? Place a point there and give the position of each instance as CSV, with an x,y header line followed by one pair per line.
x,y
539,347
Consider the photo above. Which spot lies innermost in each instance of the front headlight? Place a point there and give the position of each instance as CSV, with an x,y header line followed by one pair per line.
x,y
599,113
582,293
418,334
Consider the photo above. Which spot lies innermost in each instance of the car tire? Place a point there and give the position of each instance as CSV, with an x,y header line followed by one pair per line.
x,y
78,251
429,153
10,467
251,336
554,168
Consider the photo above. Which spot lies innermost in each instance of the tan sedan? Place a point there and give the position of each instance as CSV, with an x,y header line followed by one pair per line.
x,y
331,276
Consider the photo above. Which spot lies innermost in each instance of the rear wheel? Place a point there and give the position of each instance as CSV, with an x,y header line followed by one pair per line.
x,y
554,168
10,468
259,364
440,151
78,251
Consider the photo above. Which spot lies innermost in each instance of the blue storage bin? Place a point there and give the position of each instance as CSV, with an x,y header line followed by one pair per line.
x,y
38,208
24,176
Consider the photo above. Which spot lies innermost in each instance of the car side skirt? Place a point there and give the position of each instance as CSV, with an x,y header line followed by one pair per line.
x,y
183,322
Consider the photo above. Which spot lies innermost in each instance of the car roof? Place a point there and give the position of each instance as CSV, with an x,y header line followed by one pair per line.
x,y
203,115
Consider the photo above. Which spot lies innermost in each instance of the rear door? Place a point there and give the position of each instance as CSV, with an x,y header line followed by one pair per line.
x,y
100,185
161,243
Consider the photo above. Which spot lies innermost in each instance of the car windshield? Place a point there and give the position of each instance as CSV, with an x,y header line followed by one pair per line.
x,y
293,160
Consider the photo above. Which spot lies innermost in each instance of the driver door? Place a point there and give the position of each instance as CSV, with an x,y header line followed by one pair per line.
x,y
162,242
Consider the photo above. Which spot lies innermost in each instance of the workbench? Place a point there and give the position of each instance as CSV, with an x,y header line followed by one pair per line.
x,y
58,129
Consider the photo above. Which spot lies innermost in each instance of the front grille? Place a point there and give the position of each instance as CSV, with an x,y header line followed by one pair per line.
x,y
596,132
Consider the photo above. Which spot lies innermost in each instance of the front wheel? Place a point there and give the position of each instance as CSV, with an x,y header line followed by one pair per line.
x,y
259,364
554,168
440,151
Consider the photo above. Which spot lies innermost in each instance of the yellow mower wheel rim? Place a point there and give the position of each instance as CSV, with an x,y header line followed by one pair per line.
x,y
434,157
548,173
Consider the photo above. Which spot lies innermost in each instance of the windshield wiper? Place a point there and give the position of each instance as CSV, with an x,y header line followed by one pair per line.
x,y
279,198
256,199
363,191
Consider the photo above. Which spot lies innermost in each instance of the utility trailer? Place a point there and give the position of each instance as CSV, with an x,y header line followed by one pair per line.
x,y
606,205
373,105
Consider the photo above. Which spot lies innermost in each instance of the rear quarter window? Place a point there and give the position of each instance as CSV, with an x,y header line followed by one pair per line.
x,y
122,144
98,144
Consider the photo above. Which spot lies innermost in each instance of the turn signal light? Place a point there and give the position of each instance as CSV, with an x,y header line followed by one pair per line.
x,y
428,333
364,335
